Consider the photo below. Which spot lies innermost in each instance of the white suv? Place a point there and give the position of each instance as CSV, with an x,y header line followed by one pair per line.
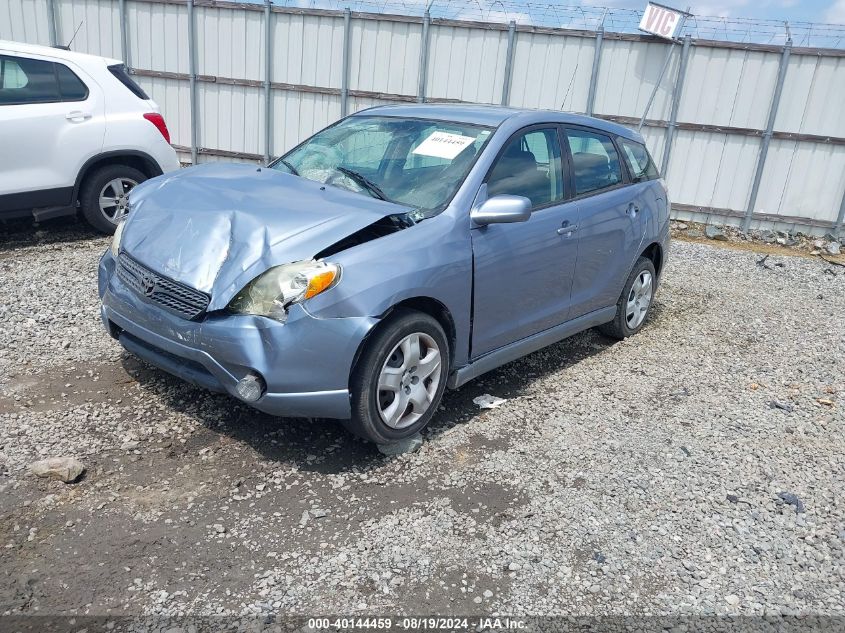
x,y
76,132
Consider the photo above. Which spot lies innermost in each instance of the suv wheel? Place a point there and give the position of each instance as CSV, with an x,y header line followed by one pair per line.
x,y
634,302
104,195
399,380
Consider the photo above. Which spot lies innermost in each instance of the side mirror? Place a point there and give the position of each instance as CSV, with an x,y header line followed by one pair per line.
x,y
502,209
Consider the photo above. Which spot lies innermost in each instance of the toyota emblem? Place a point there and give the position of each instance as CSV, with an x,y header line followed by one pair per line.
x,y
148,283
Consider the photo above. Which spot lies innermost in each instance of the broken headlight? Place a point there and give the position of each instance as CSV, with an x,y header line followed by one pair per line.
x,y
274,291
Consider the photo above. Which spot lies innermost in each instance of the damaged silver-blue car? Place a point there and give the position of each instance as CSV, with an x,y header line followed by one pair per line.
x,y
399,251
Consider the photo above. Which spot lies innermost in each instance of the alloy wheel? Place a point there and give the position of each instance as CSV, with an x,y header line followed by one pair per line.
x,y
408,381
114,198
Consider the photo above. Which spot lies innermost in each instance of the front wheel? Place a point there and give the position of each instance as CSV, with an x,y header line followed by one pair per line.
x,y
399,380
634,302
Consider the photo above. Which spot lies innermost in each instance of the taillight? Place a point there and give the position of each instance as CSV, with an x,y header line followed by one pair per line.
x,y
156,119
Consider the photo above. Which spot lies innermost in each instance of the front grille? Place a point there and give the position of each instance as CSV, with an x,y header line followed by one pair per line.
x,y
174,297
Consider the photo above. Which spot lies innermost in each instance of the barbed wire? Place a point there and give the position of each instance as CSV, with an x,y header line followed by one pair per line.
x,y
585,17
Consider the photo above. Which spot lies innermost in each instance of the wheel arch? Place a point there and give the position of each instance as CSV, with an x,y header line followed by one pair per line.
x,y
438,311
654,252
427,305
133,158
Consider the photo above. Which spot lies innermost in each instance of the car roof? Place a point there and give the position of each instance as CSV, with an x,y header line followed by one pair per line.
x,y
51,51
494,116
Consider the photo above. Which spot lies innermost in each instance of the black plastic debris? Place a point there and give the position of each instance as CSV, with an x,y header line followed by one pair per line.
x,y
793,500
783,406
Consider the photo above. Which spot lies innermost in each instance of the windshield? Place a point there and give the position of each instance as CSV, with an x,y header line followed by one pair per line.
x,y
415,162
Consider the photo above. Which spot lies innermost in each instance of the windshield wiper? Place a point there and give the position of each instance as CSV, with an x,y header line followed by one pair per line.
x,y
365,182
289,166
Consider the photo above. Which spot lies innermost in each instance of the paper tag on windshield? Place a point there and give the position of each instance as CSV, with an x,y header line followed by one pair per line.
x,y
444,145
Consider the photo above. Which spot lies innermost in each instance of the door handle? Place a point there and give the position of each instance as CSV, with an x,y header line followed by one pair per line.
x,y
567,229
78,115
633,210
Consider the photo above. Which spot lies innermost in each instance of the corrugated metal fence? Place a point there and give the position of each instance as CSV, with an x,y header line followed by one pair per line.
x,y
758,131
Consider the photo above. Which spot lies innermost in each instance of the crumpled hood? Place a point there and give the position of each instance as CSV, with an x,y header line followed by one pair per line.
x,y
215,227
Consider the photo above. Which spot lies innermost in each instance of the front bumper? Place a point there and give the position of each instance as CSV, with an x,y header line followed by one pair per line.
x,y
304,362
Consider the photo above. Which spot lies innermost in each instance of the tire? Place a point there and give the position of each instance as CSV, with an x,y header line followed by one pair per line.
x,y
623,325
99,182
374,416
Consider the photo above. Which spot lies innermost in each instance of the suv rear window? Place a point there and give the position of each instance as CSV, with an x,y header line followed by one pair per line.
x,y
120,73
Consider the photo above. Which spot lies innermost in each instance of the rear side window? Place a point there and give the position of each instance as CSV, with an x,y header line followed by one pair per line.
x,y
639,161
24,80
595,162
120,73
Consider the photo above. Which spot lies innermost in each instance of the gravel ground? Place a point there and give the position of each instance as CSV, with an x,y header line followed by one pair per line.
x,y
694,469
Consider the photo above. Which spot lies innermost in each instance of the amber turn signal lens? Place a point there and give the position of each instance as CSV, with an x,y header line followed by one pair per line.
x,y
320,282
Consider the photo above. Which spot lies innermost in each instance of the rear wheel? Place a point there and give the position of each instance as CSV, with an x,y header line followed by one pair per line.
x,y
634,302
400,378
103,197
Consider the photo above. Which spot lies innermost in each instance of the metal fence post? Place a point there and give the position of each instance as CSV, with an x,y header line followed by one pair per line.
x,y
268,73
663,70
344,86
423,58
837,231
657,85
676,104
192,78
52,30
594,75
767,136
124,45
506,83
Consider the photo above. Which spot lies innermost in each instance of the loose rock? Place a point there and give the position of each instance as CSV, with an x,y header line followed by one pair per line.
x,y
715,233
66,469
409,445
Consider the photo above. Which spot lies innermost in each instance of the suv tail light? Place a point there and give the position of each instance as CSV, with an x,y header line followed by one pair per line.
x,y
156,119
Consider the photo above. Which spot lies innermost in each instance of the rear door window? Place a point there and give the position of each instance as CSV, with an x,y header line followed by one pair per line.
x,y
595,161
71,87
